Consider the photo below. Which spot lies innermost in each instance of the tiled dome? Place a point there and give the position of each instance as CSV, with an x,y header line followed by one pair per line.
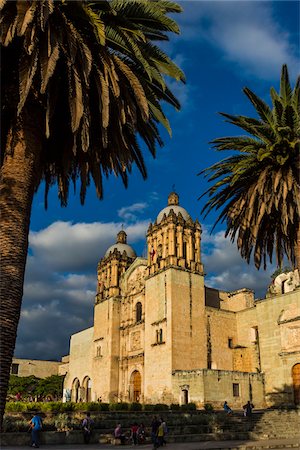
x,y
121,245
173,203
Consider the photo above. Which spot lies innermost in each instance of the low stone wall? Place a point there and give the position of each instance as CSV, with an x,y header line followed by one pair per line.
x,y
54,437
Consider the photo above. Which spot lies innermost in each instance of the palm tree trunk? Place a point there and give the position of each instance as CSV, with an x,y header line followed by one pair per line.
x,y
18,177
297,249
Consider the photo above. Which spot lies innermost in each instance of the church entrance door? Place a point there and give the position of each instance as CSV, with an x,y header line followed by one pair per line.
x,y
296,383
135,386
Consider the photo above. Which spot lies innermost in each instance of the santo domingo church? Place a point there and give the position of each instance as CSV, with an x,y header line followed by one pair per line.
x,y
161,336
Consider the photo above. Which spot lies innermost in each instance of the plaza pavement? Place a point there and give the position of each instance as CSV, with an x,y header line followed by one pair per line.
x,y
213,445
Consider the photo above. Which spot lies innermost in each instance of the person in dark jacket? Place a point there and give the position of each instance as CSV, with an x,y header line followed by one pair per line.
x,y
87,425
248,409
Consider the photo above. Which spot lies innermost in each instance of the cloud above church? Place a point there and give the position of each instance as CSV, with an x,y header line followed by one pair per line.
x,y
67,246
130,213
226,269
246,33
60,281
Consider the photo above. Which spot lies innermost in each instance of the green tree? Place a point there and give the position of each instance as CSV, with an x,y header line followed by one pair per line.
x,y
258,189
82,87
26,386
51,386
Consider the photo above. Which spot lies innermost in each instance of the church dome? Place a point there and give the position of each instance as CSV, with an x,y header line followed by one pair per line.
x,y
121,246
173,203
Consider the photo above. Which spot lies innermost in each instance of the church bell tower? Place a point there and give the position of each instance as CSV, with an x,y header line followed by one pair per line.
x,y
107,308
175,327
174,239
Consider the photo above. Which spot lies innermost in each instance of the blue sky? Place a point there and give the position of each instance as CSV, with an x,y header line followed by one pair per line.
x,y
223,47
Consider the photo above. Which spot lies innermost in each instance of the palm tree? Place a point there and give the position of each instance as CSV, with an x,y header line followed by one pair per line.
x,y
258,189
82,87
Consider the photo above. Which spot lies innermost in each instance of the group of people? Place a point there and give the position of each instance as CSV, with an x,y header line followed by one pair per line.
x,y
159,431
247,409
137,434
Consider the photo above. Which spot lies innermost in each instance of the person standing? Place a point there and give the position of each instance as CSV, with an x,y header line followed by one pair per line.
x,y
165,430
87,425
160,435
248,409
154,427
36,425
134,430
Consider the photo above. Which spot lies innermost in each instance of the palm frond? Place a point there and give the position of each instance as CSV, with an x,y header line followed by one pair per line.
x,y
257,190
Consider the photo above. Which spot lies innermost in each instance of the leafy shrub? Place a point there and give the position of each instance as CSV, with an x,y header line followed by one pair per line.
x,y
135,407
52,407
15,406
175,407
188,407
160,407
63,422
34,406
15,424
118,406
81,406
66,407
148,407
94,406
103,406
208,407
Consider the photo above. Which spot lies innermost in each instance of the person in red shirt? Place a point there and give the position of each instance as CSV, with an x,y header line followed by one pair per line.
x,y
134,430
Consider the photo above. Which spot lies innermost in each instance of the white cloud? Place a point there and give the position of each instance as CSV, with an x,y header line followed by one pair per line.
x,y
247,33
225,268
127,212
71,247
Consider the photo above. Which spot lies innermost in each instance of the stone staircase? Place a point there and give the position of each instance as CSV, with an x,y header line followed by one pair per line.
x,y
196,427
193,426
270,424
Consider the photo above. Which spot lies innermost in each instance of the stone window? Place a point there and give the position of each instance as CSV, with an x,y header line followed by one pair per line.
x,y
98,351
159,336
138,312
14,369
236,389
230,342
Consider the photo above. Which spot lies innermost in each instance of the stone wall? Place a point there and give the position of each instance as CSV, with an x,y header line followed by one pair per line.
x,y
80,362
277,321
216,386
221,326
38,368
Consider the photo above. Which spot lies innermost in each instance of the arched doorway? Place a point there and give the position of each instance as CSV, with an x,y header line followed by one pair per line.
x,y
296,383
185,396
135,386
86,389
75,390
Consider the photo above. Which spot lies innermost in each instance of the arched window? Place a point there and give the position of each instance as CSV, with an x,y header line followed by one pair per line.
x,y
138,311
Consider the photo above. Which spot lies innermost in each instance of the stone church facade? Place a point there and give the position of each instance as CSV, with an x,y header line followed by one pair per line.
x,y
161,336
